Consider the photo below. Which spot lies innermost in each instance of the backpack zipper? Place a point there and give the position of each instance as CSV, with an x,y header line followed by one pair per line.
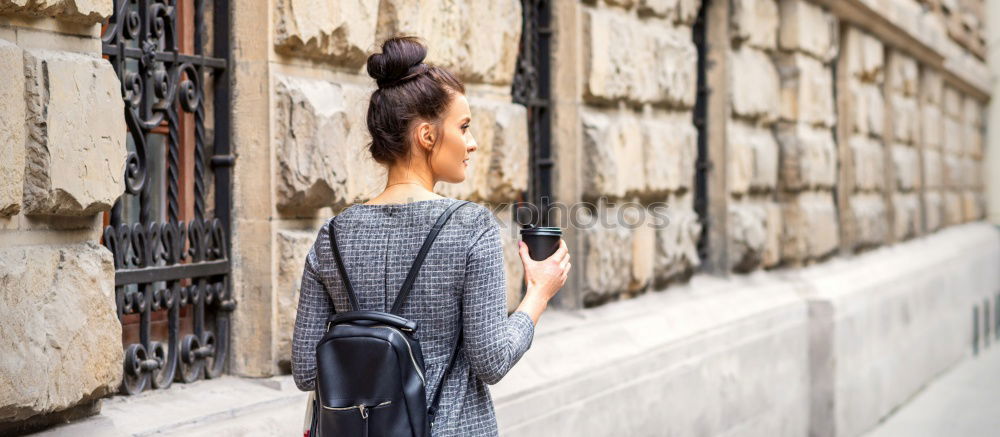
x,y
361,407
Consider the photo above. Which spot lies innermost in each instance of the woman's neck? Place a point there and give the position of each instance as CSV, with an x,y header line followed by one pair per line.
x,y
404,186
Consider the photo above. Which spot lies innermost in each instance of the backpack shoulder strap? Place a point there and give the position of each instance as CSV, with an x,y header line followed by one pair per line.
x,y
411,277
340,266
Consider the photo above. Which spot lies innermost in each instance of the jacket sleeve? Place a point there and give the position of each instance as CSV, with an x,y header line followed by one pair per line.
x,y
492,340
313,310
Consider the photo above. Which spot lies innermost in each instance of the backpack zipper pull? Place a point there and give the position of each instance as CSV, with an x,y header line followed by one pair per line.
x,y
364,411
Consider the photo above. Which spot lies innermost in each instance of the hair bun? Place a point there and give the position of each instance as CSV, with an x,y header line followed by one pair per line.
x,y
401,59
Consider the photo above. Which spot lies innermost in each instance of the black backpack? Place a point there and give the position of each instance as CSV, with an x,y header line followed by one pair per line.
x,y
370,369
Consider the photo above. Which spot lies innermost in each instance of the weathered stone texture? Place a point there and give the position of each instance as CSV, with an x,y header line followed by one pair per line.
x,y
903,74
606,249
905,118
811,227
754,85
498,171
973,134
932,210
933,169
906,167
953,211
670,149
753,160
341,32
869,163
754,230
312,125
476,40
659,67
807,28
612,154
906,211
676,241
865,56
806,90
869,215
12,128
75,162
868,108
677,11
808,158
931,125
61,342
755,22
291,249
79,11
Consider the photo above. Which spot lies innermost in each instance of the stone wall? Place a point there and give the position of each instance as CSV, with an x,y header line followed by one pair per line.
x,y
62,163
317,139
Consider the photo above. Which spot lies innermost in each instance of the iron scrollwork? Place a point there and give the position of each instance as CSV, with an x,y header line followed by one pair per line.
x,y
164,264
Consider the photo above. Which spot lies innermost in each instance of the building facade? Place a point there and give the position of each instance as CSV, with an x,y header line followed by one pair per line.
x,y
167,164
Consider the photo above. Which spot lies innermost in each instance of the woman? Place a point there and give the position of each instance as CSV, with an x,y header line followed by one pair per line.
x,y
419,123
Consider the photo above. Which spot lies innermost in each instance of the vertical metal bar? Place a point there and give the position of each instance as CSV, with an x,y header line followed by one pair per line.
x,y
703,164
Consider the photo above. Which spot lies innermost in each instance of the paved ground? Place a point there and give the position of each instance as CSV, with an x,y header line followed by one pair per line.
x,y
964,402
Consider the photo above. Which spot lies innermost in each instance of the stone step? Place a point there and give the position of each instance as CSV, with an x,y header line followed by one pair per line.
x,y
228,406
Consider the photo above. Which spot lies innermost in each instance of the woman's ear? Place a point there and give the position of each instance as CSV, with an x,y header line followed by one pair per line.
x,y
425,136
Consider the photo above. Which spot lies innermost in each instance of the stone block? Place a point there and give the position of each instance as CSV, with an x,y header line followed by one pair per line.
x,y
478,41
643,249
676,243
868,158
670,149
906,167
612,150
953,136
885,325
933,203
61,342
291,247
754,85
973,137
903,74
953,103
339,32
754,158
677,11
971,206
606,249
931,125
754,227
811,226
808,157
867,108
865,56
869,219
75,162
807,28
806,90
311,125
933,169
973,112
365,177
660,68
77,11
931,87
12,128
953,168
954,213
905,118
906,213
755,22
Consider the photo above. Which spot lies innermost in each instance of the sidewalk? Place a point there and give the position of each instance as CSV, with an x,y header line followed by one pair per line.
x,y
965,402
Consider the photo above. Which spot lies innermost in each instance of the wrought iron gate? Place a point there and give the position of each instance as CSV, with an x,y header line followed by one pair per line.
x,y
169,231
532,89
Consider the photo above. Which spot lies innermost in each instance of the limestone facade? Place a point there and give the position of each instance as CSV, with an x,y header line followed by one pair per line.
x,y
62,163
837,137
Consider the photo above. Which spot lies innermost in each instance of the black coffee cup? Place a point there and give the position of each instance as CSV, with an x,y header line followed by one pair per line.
x,y
542,241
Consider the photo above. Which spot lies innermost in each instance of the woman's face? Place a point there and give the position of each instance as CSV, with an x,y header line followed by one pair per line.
x,y
451,157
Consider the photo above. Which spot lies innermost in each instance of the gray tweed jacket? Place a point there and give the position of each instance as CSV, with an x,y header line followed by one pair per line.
x,y
462,276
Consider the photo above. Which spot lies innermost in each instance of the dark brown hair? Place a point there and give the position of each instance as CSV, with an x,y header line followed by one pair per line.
x,y
408,90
